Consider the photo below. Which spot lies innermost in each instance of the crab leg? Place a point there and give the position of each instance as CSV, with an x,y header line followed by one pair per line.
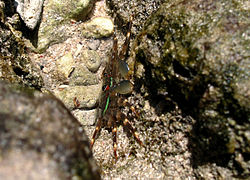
x,y
126,43
132,108
133,131
114,134
97,129
114,58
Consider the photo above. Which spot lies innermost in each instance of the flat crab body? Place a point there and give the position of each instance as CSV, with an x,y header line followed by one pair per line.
x,y
115,85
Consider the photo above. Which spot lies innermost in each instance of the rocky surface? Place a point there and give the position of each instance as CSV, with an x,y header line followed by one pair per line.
x,y
30,11
54,27
15,65
98,27
189,60
40,139
141,11
196,54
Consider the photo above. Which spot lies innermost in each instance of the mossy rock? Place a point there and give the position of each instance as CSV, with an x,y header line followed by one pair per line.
x,y
197,54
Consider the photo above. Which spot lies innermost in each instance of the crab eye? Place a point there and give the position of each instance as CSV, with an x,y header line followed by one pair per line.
x,y
106,75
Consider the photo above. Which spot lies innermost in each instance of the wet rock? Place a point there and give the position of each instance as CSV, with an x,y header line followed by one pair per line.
x,y
29,11
40,139
98,27
196,54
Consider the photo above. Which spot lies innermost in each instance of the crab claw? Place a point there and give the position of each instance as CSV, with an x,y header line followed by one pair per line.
x,y
123,68
124,87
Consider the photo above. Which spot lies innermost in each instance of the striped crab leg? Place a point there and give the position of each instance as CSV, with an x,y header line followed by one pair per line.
x,y
127,40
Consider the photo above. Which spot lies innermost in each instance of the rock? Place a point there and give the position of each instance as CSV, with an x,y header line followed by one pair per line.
x,y
86,118
78,72
40,139
92,60
65,64
2,6
196,53
15,65
87,96
98,27
79,9
29,11
81,76
210,171
141,10
56,20
94,44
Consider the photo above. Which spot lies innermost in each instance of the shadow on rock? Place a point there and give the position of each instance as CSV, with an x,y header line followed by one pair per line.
x,y
198,59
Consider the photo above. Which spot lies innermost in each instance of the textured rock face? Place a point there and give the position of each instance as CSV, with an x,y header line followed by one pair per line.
x,y
30,11
196,52
98,27
15,66
190,61
56,17
141,10
37,131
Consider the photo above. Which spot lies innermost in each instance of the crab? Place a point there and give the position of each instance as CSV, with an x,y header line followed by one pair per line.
x,y
116,84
